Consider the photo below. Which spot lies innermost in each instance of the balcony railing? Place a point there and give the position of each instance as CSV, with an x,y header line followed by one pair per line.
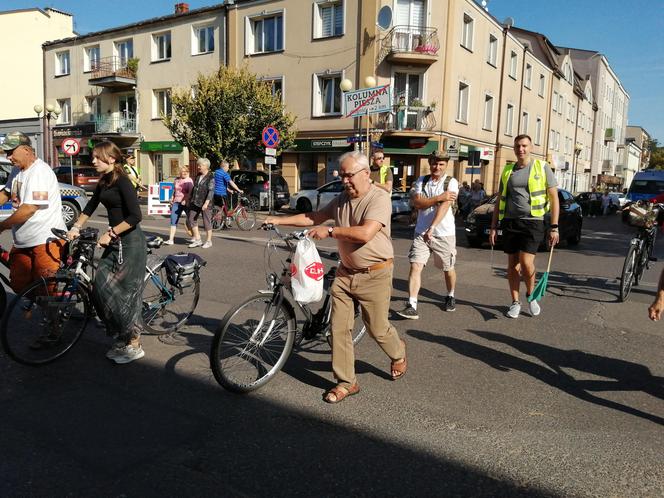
x,y
112,71
115,124
405,118
420,42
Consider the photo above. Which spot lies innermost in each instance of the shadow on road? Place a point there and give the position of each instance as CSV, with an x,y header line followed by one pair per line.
x,y
621,375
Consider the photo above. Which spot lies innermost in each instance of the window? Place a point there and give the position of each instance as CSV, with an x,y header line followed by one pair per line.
x,y
62,63
276,87
525,122
538,131
509,120
488,112
91,57
161,47
93,107
266,34
568,145
203,42
561,101
467,32
552,139
65,115
542,83
528,77
462,104
329,94
513,64
328,19
124,50
161,103
492,54
558,141
554,101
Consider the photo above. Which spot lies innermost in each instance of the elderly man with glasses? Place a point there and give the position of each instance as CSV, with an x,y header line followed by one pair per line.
x,y
35,196
381,175
362,228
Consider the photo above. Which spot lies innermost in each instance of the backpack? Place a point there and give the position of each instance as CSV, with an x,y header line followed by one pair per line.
x,y
446,183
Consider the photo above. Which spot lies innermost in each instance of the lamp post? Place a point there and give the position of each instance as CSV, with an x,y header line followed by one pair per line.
x,y
52,112
577,151
346,85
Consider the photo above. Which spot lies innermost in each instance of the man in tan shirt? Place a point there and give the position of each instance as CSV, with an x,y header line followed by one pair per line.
x,y
362,216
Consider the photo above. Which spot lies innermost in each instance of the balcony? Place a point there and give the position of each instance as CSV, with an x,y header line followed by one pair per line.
x,y
607,166
410,45
408,121
116,125
113,73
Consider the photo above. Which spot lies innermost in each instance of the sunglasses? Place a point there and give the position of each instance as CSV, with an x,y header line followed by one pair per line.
x,y
351,175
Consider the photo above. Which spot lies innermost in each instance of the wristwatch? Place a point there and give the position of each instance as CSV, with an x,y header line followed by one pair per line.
x,y
330,231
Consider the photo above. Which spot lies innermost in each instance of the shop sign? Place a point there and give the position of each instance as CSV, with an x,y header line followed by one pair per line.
x,y
74,131
487,154
161,147
328,143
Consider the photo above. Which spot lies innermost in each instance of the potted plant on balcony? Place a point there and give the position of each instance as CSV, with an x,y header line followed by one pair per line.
x,y
431,107
416,103
132,66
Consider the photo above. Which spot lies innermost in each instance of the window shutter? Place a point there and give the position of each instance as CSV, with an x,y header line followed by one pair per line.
x,y
326,21
339,19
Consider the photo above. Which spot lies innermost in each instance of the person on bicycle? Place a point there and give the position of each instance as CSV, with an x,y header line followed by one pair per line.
x,y
35,196
119,276
362,216
182,188
222,182
520,208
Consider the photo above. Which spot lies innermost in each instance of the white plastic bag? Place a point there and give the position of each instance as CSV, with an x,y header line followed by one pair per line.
x,y
307,272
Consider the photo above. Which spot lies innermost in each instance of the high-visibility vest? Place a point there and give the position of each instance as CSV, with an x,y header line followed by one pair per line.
x,y
383,174
537,186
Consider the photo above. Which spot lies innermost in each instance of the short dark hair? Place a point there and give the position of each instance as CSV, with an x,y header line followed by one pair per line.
x,y
522,136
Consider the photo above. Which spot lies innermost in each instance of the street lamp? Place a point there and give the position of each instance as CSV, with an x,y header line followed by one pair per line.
x,y
52,112
577,151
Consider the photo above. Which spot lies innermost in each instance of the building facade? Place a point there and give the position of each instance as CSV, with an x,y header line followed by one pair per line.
x,y
24,31
642,139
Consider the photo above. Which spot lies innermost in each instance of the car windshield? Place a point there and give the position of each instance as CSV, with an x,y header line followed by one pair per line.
x,y
647,187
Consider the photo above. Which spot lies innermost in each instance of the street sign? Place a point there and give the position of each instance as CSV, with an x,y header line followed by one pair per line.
x,y
270,136
354,140
270,160
269,151
71,146
367,101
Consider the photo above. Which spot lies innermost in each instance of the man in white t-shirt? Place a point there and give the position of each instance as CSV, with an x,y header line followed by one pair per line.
x,y
35,196
435,232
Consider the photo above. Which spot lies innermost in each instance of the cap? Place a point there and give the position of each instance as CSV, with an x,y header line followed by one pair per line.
x,y
439,155
14,139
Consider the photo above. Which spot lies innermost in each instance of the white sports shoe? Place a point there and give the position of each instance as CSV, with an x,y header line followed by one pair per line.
x,y
534,308
116,350
207,245
168,242
129,353
514,310
196,243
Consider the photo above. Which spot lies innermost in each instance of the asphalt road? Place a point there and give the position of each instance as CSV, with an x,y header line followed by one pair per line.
x,y
567,404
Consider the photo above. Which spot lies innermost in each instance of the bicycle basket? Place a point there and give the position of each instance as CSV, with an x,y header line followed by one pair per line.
x,y
182,268
642,215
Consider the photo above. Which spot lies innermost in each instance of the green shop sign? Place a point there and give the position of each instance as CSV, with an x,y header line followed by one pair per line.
x,y
161,147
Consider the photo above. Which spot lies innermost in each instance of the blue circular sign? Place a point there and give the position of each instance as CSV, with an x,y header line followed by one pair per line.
x,y
270,136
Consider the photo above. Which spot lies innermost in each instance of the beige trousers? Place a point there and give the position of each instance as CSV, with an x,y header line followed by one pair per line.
x,y
372,290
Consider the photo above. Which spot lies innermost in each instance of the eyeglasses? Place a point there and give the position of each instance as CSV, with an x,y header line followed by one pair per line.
x,y
351,175
379,158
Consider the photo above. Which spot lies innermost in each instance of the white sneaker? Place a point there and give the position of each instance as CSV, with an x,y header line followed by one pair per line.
x,y
129,353
189,240
116,350
534,308
196,243
514,310
168,242
207,245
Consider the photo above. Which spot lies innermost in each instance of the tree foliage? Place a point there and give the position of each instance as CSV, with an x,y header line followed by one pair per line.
x,y
657,158
225,116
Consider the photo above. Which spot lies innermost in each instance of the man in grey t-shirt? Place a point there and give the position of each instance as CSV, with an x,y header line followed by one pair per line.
x,y
528,189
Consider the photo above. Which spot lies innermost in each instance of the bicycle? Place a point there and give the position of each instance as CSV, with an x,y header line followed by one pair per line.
x,y
256,337
4,261
242,214
46,319
639,255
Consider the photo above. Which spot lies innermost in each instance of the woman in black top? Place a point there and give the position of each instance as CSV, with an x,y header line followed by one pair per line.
x,y
200,202
119,276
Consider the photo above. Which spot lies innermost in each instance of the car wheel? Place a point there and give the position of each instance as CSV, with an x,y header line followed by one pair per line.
x,y
575,239
254,202
304,205
474,242
70,213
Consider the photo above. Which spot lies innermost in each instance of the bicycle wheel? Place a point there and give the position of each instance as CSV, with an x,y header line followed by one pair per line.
x,y
43,322
642,262
3,299
245,219
252,343
167,307
628,271
217,218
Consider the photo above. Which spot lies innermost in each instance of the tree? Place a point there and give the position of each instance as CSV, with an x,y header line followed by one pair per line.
x,y
225,116
656,158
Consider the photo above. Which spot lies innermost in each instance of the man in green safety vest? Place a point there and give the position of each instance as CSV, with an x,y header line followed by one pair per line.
x,y
528,189
380,175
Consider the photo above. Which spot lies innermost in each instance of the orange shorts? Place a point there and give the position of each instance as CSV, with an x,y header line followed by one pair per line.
x,y
30,263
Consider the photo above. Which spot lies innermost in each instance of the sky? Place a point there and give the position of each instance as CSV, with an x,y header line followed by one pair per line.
x,y
629,33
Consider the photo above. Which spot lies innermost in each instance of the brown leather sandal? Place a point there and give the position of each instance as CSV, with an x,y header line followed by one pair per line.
x,y
340,393
400,366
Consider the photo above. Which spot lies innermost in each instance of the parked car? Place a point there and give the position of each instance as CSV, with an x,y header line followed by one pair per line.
x,y
618,201
85,177
313,199
256,185
74,198
570,221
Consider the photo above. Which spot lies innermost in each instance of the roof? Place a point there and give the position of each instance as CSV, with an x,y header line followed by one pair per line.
x,y
43,11
147,22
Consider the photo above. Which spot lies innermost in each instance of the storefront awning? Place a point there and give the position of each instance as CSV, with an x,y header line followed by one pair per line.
x,y
411,147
